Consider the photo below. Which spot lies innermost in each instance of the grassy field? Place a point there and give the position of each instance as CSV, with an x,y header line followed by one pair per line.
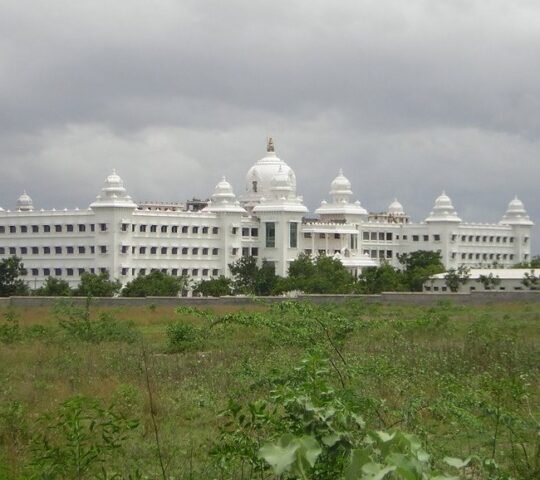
x,y
464,380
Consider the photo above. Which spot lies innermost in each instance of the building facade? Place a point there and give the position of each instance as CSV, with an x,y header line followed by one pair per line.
x,y
268,221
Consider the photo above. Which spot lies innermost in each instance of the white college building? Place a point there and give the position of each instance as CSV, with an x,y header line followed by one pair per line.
x,y
268,221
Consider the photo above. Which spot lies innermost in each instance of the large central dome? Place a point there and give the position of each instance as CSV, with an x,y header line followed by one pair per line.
x,y
259,177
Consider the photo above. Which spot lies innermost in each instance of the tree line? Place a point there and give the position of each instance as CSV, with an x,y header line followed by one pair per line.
x,y
311,275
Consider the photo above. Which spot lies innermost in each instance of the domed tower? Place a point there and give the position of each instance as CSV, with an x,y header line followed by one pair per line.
x,y
443,221
259,177
279,209
24,203
517,218
443,211
341,208
113,210
229,212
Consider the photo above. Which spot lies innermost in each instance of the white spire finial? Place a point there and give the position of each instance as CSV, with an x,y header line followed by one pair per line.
x,y
270,145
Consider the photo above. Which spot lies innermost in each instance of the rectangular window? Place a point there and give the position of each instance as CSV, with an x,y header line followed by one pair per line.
x,y
307,235
46,229
24,229
215,230
142,250
381,235
245,232
58,228
35,250
124,271
69,272
102,249
153,228
195,272
12,251
46,271
185,229
174,229
46,250
125,227
204,230
195,251
163,228
215,272
35,229
426,238
365,235
163,250
142,228
270,235
415,238
184,251
124,249
254,232
69,228
82,227
69,250
195,230
254,252
215,251
153,250
80,271
82,250
35,272
337,236
12,229
205,272
174,272
174,250
205,251
58,250
58,271
245,251
185,272
24,250
2,229
293,235
102,227
142,271
436,238
389,236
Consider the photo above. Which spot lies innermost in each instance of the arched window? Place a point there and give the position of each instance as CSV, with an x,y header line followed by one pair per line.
x,y
254,184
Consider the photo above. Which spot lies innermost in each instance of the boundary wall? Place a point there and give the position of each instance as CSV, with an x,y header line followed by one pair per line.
x,y
394,298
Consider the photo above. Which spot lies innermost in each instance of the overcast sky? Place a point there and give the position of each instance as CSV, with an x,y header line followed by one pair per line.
x,y
408,97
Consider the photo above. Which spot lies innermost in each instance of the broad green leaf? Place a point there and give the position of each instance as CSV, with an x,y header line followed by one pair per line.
x,y
278,457
331,440
309,449
457,462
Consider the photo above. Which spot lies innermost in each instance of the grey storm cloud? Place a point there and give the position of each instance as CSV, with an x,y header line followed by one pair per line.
x,y
408,97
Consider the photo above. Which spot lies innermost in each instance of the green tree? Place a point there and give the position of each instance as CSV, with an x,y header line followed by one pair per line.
x,y
456,277
215,287
10,284
93,285
318,275
250,279
384,278
419,266
155,284
54,287
531,281
489,281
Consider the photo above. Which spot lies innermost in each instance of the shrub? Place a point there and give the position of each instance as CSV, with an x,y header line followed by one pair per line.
x,y
182,336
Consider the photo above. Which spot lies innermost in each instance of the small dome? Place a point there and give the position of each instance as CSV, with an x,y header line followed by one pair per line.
x,y
443,210
516,213
341,185
395,208
113,193
24,203
223,192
